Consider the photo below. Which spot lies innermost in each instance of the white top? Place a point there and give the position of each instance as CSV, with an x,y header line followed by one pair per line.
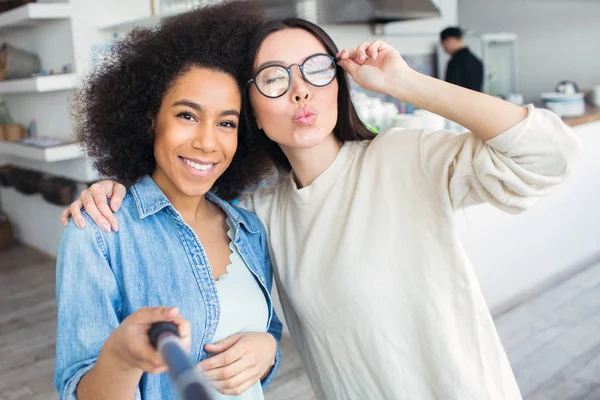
x,y
378,294
243,308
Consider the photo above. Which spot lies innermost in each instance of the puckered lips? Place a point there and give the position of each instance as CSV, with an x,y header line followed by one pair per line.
x,y
305,116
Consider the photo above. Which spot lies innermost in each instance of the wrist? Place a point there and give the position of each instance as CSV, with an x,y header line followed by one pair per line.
x,y
110,377
408,86
111,356
273,344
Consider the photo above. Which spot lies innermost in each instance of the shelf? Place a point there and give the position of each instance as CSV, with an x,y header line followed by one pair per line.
x,y
40,84
129,24
31,14
50,154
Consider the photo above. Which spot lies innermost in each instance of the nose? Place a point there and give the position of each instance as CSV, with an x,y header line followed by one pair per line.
x,y
300,90
205,138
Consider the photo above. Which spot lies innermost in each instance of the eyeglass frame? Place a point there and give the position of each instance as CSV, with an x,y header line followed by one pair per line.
x,y
288,69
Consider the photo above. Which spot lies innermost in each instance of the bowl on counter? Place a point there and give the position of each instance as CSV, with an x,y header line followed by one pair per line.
x,y
565,104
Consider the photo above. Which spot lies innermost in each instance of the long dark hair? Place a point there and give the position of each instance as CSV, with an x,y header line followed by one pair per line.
x,y
348,126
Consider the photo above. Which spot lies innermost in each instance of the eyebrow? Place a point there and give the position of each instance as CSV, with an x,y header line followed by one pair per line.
x,y
271,62
198,107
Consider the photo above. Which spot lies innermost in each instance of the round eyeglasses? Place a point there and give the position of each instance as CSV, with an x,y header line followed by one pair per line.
x,y
275,80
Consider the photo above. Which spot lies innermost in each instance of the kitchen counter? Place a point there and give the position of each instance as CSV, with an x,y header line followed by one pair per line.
x,y
516,256
592,113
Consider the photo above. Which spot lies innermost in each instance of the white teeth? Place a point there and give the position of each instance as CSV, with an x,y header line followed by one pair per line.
x,y
199,167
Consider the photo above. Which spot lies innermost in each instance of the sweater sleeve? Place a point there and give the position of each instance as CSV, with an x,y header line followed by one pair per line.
x,y
510,171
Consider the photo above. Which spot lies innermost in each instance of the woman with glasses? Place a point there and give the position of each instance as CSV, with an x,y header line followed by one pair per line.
x,y
378,294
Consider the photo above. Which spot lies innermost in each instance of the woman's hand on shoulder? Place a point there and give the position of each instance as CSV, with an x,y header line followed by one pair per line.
x,y
93,200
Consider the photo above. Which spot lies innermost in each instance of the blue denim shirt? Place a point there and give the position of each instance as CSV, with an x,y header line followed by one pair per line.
x,y
155,259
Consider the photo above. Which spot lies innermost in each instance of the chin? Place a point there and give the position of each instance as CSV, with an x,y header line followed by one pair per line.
x,y
196,191
193,188
309,138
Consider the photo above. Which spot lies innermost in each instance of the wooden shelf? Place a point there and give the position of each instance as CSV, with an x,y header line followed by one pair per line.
x,y
31,14
50,154
40,84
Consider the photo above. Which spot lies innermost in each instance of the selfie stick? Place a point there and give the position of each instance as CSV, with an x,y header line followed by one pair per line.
x,y
188,380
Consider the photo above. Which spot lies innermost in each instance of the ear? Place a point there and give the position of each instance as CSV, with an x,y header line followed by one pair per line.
x,y
258,123
152,122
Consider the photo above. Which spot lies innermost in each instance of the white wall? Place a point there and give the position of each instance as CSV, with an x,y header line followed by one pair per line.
x,y
558,39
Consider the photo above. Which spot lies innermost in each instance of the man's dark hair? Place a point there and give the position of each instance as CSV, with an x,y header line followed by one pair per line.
x,y
349,126
114,109
452,31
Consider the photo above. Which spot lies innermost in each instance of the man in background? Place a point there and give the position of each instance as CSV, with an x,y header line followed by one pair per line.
x,y
464,69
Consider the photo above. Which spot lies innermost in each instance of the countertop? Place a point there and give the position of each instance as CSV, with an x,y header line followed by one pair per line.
x,y
592,113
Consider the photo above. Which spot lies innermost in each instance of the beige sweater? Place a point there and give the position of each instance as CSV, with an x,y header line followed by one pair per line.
x,y
378,294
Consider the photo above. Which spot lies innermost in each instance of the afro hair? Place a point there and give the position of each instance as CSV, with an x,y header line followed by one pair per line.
x,y
114,108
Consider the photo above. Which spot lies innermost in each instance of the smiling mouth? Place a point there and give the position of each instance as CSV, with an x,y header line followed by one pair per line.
x,y
198,166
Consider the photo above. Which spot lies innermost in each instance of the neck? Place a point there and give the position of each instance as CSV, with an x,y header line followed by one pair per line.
x,y
192,208
308,163
459,48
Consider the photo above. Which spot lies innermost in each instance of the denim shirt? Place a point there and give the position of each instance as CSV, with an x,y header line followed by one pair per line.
x,y
155,259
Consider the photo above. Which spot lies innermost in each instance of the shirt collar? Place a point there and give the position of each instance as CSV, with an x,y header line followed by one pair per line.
x,y
149,200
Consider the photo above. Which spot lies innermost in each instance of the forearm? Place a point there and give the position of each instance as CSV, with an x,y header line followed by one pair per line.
x,y
486,116
109,379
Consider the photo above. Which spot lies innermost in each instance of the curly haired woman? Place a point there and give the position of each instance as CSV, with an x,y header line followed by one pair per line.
x,y
163,113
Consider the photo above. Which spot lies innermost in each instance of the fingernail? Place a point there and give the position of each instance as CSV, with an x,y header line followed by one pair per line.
x,y
81,222
106,227
116,228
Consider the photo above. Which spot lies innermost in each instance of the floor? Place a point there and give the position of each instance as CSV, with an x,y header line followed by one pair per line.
x,y
553,340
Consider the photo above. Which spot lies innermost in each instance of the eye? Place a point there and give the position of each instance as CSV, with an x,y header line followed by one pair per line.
x,y
268,81
320,71
186,115
228,124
